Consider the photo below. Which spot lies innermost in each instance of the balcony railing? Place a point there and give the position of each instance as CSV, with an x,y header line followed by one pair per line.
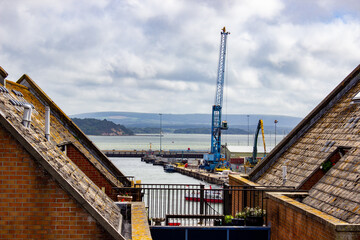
x,y
195,205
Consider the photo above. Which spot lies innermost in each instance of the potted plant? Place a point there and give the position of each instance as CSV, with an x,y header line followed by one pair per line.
x,y
228,220
217,222
254,216
239,219
124,197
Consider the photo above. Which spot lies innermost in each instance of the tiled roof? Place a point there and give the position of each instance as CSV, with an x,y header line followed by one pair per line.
x,y
334,123
63,129
69,176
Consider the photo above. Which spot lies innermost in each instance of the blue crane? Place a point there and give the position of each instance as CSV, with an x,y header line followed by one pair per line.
x,y
213,160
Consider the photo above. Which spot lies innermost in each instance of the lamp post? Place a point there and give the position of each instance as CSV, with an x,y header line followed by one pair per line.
x,y
276,121
160,131
248,116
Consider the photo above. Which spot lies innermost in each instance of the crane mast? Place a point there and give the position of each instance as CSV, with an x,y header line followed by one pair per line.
x,y
216,124
213,159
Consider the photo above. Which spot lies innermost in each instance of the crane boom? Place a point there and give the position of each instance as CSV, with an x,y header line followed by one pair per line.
x,y
221,69
253,160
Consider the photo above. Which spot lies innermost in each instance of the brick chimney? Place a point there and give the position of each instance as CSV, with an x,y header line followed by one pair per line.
x,y
3,75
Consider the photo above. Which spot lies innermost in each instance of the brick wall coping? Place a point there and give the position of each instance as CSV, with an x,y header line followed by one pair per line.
x,y
242,180
140,226
337,224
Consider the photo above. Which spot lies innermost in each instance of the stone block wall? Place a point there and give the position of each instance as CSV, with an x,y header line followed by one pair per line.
x,y
32,203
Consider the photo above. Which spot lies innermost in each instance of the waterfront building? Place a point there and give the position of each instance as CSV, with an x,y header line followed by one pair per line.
x,y
320,158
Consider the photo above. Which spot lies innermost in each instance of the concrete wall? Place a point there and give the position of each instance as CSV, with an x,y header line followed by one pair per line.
x,y
33,205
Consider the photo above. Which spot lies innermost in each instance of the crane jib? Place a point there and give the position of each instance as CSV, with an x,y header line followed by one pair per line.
x,y
221,70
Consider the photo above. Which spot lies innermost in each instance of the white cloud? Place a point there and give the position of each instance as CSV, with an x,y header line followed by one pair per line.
x,y
161,56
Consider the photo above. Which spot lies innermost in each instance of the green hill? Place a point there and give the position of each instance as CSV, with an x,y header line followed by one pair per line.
x,y
141,123
91,126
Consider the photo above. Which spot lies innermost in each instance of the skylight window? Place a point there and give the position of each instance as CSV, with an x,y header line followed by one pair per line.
x,y
17,93
356,99
3,89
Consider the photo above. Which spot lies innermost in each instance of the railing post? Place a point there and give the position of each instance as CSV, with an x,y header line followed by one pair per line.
x,y
245,198
202,200
226,200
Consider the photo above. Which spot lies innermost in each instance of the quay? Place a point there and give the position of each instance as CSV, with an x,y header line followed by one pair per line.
x,y
203,175
166,154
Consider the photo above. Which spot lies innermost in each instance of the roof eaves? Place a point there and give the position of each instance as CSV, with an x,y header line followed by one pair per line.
x,y
306,124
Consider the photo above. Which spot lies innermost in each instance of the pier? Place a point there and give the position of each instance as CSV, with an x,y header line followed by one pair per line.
x,y
166,154
204,175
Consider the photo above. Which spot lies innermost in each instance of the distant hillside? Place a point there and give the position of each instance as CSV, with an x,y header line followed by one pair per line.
x,y
208,131
149,122
91,126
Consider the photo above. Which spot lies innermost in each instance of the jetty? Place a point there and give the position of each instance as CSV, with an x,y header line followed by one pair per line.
x,y
166,154
204,175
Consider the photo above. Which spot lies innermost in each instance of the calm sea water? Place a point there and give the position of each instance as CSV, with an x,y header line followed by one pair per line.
x,y
176,141
148,173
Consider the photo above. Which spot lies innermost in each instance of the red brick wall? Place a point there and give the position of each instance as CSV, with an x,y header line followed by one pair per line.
x,y
313,180
237,197
93,173
290,223
33,205
241,199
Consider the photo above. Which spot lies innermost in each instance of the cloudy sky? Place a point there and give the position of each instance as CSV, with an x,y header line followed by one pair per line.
x,y
161,56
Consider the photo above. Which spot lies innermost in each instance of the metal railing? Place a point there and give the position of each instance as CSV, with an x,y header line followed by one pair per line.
x,y
125,180
195,205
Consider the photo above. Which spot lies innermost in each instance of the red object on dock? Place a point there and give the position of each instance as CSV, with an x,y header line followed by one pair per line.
x,y
237,160
174,224
211,196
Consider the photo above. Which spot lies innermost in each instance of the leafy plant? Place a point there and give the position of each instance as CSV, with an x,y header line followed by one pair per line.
x,y
325,166
228,219
254,212
240,215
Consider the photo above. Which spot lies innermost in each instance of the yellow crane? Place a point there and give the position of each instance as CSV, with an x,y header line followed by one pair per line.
x,y
252,161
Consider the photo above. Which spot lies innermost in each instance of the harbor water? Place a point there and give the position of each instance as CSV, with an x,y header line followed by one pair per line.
x,y
149,173
177,141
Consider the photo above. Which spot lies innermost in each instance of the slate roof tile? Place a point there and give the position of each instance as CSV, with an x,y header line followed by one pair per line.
x,y
333,124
